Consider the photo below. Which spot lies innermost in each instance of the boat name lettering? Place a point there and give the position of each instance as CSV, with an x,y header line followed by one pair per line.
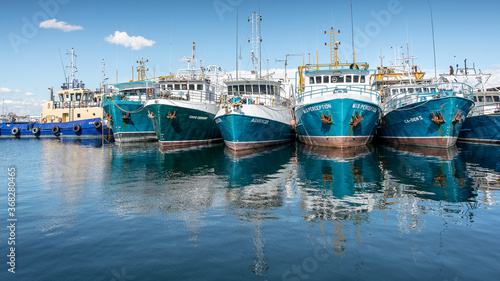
x,y
317,107
198,117
364,107
414,119
258,120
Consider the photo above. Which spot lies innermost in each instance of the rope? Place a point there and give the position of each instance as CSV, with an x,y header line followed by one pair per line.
x,y
139,110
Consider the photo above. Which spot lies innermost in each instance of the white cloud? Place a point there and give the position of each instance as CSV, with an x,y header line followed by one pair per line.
x,y
7,90
122,38
30,94
24,106
62,25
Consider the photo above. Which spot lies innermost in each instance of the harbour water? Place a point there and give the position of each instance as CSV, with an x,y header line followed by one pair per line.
x,y
87,211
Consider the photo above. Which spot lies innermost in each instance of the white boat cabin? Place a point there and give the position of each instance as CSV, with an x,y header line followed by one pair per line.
x,y
178,88
258,91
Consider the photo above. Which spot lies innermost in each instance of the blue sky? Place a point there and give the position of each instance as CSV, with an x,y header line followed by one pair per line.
x,y
163,31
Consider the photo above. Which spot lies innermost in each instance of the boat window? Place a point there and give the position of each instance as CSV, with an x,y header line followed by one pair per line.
x,y
426,90
403,90
170,87
184,86
67,96
480,98
410,90
248,88
191,86
72,97
311,80
325,79
496,98
318,79
355,78
362,79
394,91
475,99
61,98
235,89
348,78
263,89
272,90
242,88
177,86
337,79
163,87
199,87
79,96
230,90
255,89
489,99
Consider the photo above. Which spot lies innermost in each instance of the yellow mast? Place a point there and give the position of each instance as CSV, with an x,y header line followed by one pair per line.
x,y
334,46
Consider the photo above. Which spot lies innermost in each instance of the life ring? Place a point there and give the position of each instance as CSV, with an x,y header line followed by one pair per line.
x,y
151,91
66,104
44,120
55,130
35,130
82,104
76,128
15,131
97,124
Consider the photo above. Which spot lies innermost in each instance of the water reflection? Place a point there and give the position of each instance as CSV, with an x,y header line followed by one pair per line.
x,y
256,181
338,184
68,171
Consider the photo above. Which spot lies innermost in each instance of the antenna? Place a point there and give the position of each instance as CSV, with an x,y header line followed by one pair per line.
x,y
286,62
433,43
352,35
237,2
72,65
62,64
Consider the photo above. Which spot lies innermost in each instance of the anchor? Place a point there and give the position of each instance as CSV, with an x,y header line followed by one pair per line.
x,y
458,117
356,120
151,115
437,118
325,119
171,116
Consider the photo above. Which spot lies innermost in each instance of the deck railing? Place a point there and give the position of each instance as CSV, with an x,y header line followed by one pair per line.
x,y
313,91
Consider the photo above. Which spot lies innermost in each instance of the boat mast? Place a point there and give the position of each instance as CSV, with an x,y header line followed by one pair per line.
x,y
334,46
255,41
72,66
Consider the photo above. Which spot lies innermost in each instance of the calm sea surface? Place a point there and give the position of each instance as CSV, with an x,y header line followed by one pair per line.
x,y
132,212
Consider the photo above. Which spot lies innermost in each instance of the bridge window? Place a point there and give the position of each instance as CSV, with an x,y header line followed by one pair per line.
x,y
78,96
311,80
480,98
325,79
170,87
184,86
248,88
489,99
191,86
395,91
263,89
410,90
362,79
496,98
177,86
475,99
337,79
355,78
318,79
199,87
348,78
255,89
242,88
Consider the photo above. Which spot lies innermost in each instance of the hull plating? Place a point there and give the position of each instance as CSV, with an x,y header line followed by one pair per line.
x,y
481,128
136,129
413,125
329,123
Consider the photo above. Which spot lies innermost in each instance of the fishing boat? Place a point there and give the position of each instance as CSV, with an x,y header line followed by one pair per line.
x,y
75,112
255,111
336,106
419,111
483,122
126,110
183,112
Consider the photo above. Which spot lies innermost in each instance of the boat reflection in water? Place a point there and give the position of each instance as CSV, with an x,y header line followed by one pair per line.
x,y
258,181
483,168
341,182
428,173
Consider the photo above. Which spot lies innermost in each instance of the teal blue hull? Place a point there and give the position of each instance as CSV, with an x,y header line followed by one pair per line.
x,y
130,121
178,126
481,128
413,125
330,123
